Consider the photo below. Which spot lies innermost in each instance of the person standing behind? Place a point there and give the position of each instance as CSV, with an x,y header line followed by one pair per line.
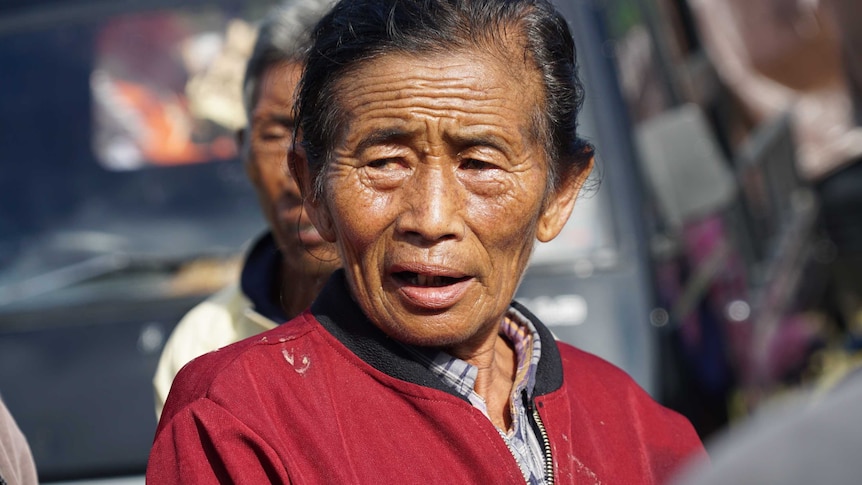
x,y
288,265
16,461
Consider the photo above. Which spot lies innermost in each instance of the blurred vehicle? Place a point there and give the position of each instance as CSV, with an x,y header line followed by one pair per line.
x,y
123,205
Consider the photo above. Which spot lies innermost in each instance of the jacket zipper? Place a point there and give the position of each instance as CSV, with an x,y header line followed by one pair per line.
x,y
546,443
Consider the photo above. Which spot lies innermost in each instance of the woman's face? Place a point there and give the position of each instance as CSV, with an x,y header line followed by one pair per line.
x,y
271,136
436,192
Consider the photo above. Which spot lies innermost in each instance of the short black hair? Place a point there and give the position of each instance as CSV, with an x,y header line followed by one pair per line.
x,y
356,31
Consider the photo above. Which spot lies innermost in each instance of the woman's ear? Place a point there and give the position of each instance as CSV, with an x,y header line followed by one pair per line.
x,y
297,161
562,201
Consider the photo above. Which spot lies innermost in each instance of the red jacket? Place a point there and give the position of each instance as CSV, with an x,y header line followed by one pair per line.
x,y
328,398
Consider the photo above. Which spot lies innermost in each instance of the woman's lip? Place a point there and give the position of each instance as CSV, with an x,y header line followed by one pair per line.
x,y
425,269
432,298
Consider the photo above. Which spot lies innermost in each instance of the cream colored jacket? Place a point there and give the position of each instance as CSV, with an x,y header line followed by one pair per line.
x,y
16,461
224,318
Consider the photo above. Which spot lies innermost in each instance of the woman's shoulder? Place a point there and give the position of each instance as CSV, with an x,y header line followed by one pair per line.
x,y
587,366
235,367
593,377
601,389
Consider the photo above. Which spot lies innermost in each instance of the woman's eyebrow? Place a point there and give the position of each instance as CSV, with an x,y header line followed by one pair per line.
x,y
284,120
288,121
382,136
468,140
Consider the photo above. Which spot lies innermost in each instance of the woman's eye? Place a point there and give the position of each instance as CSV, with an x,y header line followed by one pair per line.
x,y
383,163
385,173
473,164
273,135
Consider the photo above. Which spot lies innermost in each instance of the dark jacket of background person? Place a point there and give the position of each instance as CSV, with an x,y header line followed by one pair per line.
x,y
347,394
16,462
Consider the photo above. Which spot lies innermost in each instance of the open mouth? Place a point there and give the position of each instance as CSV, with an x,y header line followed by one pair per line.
x,y
430,288
421,279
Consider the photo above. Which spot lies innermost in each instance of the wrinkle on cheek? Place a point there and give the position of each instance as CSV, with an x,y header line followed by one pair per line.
x,y
504,207
351,200
345,180
511,240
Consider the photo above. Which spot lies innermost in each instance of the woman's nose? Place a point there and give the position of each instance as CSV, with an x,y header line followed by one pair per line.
x,y
432,207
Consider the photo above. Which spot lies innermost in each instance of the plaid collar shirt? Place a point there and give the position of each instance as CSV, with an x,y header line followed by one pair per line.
x,y
521,438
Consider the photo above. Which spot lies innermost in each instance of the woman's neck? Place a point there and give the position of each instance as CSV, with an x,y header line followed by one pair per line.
x,y
497,365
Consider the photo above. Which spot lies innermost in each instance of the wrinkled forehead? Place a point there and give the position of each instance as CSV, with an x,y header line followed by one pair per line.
x,y
449,98
503,45
464,75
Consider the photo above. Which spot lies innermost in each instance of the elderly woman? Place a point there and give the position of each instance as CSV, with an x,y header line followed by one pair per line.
x,y
438,143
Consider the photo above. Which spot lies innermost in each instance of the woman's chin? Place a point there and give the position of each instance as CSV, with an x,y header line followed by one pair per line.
x,y
427,328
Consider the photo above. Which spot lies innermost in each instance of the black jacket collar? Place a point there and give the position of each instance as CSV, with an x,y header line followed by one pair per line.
x,y
260,279
341,316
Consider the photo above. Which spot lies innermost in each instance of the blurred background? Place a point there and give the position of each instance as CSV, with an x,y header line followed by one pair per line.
x,y
717,258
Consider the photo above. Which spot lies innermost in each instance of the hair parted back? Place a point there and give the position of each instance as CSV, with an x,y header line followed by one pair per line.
x,y
356,31
284,35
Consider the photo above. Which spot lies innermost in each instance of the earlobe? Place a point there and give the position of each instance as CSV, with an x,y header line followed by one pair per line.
x,y
559,208
316,208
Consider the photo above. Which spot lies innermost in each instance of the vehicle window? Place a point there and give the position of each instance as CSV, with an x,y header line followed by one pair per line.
x,y
118,134
166,88
123,203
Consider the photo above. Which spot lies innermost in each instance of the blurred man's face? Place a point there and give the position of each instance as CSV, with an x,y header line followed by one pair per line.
x,y
270,136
